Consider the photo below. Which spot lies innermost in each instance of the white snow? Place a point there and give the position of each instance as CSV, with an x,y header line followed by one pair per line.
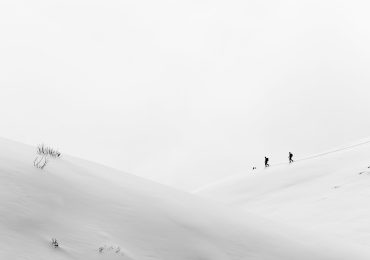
x,y
327,193
96,212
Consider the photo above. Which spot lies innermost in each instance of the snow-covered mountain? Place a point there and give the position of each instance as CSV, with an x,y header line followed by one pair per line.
x,y
327,193
96,212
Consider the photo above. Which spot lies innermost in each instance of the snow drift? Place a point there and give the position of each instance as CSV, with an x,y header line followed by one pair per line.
x,y
100,213
327,193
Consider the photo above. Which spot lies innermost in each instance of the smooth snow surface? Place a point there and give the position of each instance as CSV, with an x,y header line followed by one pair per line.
x,y
90,208
327,193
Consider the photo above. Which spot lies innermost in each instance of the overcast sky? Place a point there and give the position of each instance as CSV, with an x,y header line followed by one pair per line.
x,y
185,92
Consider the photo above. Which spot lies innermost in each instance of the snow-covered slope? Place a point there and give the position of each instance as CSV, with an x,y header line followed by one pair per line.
x,y
328,193
86,206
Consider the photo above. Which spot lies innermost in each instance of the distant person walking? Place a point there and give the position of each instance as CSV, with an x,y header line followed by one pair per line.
x,y
267,162
290,157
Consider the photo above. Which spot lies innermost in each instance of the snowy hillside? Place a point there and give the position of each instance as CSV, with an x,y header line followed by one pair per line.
x,y
328,193
96,212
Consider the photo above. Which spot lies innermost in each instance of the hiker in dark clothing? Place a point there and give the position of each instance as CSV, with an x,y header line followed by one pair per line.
x,y
290,157
267,162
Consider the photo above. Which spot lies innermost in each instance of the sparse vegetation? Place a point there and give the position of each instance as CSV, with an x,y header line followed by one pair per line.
x,y
54,242
44,152
48,151
111,249
40,162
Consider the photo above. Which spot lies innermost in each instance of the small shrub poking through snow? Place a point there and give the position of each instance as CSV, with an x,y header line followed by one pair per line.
x,y
40,162
113,249
48,151
54,243
43,153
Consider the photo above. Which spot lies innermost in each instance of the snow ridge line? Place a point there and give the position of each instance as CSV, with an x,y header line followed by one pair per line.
x,y
324,153
199,189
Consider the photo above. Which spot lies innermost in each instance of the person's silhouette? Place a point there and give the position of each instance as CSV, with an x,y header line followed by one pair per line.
x,y
290,157
267,162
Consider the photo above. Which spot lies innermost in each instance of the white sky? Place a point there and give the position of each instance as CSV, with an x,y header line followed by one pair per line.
x,y
185,92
